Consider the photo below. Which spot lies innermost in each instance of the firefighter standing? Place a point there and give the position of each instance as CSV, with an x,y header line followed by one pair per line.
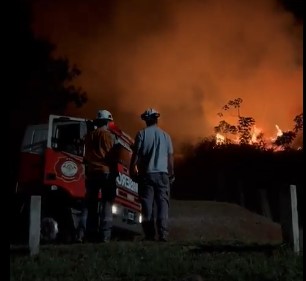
x,y
100,175
152,163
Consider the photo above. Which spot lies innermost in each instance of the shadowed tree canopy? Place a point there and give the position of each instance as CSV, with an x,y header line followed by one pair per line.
x,y
42,84
244,126
295,6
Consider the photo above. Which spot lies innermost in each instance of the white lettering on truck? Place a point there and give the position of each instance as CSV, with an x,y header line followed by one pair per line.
x,y
125,181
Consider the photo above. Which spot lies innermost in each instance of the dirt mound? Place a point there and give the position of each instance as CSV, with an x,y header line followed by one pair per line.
x,y
207,221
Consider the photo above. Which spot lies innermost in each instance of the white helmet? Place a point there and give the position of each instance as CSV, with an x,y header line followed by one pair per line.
x,y
104,114
150,113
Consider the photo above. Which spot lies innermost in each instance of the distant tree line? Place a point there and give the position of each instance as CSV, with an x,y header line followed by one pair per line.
x,y
236,171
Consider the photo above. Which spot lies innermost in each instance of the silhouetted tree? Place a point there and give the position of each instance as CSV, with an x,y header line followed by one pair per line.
x,y
298,120
225,128
244,126
260,142
285,140
42,83
244,129
295,6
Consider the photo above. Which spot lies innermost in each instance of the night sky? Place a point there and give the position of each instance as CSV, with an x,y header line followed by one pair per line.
x,y
186,58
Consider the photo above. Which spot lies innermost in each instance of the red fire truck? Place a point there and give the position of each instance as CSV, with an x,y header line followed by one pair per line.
x,y
51,165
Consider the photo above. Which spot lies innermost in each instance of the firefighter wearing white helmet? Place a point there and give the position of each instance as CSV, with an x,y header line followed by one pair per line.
x,y
104,115
100,175
152,164
150,113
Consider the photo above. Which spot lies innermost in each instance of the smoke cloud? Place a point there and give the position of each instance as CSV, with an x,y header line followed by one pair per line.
x,y
186,58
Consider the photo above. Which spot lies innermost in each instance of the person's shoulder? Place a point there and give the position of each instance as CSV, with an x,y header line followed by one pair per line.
x,y
103,132
164,132
168,137
100,130
142,131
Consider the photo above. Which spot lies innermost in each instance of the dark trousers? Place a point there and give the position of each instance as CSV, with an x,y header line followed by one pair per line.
x,y
155,187
90,214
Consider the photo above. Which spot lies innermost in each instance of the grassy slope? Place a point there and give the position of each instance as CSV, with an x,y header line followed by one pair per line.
x,y
193,225
140,261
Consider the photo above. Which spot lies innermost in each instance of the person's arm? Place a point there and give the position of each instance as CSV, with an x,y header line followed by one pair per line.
x,y
170,164
170,161
107,151
134,159
170,157
133,166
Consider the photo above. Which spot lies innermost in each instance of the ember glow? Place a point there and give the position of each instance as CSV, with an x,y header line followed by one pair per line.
x,y
279,131
255,134
186,58
220,139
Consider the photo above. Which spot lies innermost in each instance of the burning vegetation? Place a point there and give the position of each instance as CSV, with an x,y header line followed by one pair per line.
x,y
245,132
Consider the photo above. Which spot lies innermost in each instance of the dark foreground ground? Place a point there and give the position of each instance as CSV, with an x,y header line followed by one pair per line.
x,y
208,241
210,221
156,261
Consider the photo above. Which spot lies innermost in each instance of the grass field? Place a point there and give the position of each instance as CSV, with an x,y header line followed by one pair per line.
x,y
156,261
209,241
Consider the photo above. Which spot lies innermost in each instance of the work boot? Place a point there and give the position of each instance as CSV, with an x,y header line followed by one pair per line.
x,y
163,236
106,236
80,236
162,230
163,239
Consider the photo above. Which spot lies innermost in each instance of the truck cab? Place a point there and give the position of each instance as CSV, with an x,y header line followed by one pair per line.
x,y
51,165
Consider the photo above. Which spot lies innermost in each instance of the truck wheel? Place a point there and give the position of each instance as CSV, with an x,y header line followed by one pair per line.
x,y
49,229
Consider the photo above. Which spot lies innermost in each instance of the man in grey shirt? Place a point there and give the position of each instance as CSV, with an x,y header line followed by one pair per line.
x,y
152,163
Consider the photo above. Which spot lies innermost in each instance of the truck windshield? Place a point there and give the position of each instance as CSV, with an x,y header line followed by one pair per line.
x,y
68,137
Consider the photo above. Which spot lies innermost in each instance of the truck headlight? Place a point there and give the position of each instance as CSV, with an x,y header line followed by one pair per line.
x,y
114,209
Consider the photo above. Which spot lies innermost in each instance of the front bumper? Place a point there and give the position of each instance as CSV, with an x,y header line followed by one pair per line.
x,y
127,219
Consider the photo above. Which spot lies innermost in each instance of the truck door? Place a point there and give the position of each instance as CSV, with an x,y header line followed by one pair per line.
x,y
64,167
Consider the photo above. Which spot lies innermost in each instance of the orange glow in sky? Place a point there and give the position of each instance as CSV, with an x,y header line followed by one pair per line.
x,y
185,58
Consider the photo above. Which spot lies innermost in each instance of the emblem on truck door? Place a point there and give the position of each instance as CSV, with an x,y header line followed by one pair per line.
x,y
67,169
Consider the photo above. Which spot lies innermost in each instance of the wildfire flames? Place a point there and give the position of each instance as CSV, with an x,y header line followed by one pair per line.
x,y
256,137
220,139
279,131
